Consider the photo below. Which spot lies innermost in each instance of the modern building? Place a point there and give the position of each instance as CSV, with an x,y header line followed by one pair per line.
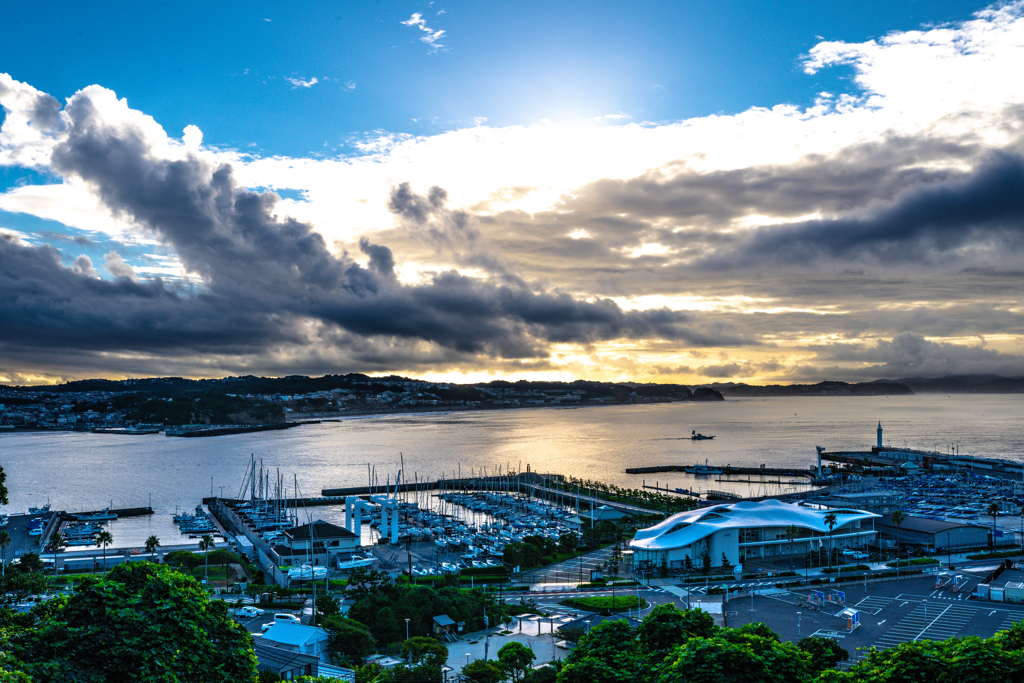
x,y
747,531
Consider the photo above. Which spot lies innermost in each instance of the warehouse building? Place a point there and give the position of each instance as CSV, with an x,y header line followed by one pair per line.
x,y
936,533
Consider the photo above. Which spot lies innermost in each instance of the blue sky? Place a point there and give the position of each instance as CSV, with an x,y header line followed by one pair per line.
x,y
668,191
222,66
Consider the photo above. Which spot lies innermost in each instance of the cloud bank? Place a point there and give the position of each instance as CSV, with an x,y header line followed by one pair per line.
x,y
875,233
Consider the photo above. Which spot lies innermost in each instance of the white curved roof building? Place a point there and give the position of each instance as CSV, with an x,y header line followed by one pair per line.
x,y
747,531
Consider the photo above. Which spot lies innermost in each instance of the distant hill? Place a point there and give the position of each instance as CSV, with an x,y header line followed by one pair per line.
x,y
963,384
879,388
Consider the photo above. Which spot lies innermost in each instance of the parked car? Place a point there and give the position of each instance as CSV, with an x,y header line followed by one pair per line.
x,y
281,619
248,612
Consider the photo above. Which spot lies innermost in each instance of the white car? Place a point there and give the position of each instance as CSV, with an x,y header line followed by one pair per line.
x,y
248,612
281,619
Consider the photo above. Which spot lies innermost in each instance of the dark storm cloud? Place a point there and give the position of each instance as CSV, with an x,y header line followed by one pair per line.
x,y
452,232
910,355
268,283
869,195
983,210
381,258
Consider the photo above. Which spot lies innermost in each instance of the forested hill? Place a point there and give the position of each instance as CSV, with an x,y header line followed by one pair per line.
x,y
879,388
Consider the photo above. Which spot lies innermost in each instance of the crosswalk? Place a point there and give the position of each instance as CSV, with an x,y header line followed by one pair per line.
x,y
873,604
1011,619
927,622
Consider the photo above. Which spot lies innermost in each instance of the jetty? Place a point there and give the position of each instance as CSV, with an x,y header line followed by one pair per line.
x,y
729,470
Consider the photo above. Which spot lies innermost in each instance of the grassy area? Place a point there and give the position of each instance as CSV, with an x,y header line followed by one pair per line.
x,y
914,562
848,568
996,555
602,603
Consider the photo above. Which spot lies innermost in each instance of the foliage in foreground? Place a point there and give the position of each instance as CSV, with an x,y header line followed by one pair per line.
x,y
139,622
676,646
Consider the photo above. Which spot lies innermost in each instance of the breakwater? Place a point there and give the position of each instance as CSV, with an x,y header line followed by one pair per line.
x,y
728,469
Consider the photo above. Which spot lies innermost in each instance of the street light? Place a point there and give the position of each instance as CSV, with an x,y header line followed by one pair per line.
x,y
798,634
407,640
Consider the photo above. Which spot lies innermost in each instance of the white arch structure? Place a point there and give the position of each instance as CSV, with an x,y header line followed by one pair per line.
x,y
756,528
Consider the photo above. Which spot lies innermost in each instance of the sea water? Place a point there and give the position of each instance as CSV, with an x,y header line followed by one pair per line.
x,y
78,472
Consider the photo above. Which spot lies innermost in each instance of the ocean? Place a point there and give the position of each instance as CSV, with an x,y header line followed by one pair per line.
x,y
78,472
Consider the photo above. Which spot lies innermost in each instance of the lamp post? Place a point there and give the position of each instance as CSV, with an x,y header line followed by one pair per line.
x,y
409,658
798,634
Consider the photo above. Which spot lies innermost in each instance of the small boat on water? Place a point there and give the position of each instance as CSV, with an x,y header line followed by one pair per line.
x,y
697,436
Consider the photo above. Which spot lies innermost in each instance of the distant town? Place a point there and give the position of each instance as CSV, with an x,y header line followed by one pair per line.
x,y
105,404
100,404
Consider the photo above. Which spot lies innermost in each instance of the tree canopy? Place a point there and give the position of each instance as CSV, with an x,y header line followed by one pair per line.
x,y
685,646
139,622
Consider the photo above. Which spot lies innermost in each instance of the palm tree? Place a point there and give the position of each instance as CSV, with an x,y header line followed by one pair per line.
x,y
5,540
152,543
205,544
55,545
993,511
104,538
831,521
791,533
897,519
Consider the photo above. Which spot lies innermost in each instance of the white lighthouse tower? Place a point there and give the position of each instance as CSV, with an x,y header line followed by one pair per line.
x,y
879,434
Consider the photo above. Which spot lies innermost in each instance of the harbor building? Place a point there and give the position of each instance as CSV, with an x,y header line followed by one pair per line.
x,y
753,530
937,533
318,544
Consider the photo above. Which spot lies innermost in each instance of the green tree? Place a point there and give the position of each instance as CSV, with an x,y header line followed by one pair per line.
x,y
668,626
609,653
427,651
825,652
3,488
152,543
568,542
55,545
5,540
741,658
514,659
897,519
688,563
327,605
571,634
140,622
103,539
182,558
993,512
705,561
521,555
349,641
482,671
544,674
947,661
18,584
30,562
830,520
205,544
726,564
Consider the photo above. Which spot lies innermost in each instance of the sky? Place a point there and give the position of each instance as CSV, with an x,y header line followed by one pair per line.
x,y
690,192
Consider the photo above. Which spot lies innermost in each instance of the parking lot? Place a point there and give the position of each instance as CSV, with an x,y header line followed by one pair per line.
x,y
890,613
